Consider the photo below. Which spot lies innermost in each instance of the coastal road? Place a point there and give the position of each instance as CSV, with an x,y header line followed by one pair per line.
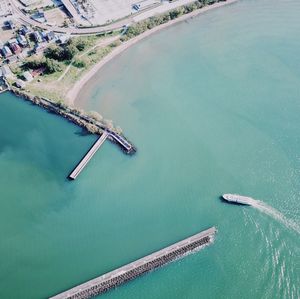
x,y
25,19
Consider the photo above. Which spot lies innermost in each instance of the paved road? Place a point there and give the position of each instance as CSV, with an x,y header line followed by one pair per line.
x,y
25,19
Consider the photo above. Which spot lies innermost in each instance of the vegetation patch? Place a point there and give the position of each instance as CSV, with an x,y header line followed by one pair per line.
x,y
155,21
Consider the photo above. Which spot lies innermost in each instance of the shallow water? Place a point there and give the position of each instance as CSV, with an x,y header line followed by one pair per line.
x,y
213,107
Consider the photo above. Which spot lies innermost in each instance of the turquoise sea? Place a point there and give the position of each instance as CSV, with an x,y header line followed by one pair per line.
x,y
213,106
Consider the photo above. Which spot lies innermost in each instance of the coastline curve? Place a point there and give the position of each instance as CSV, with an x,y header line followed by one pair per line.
x,y
73,93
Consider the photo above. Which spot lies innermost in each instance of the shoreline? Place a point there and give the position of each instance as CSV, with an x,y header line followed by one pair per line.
x,y
73,93
79,118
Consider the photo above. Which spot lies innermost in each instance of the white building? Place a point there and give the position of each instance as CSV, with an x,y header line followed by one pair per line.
x,y
27,76
20,83
29,2
6,72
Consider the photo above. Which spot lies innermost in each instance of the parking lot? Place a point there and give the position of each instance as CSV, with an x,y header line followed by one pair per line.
x,y
108,10
4,8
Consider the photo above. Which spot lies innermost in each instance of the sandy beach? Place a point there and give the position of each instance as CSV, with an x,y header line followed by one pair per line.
x,y
77,87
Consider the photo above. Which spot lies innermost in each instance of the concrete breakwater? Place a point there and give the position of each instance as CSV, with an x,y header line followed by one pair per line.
x,y
79,118
74,174
139,267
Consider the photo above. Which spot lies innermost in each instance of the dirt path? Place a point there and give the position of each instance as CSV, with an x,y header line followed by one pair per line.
x,y
101,43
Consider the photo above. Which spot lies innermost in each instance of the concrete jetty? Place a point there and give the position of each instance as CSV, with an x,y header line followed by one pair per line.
x,y
73,175
128,148
139,267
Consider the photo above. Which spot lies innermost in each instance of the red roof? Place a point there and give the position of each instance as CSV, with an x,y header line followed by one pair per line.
x,y
38,72
16,48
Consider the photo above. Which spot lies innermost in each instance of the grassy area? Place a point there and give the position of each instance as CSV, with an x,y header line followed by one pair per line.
x,y
81,53
50,87
87,54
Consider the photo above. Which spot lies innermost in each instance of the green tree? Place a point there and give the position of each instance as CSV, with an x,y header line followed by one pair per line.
x,y
69,52
95,115
52,66
80,44
79,63
54,52
33,63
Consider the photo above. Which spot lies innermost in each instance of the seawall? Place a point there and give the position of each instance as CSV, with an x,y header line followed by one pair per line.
x,y
139,267
79,118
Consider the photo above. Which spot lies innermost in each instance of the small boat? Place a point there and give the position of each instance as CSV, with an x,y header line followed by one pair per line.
x,y
238,199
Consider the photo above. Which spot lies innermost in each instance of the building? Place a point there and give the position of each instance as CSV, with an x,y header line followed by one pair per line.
x,y
12,41
9,24
27,76
16,48
63,39
29,2
13,59
145,4
37,36
6,71
50,36
72,10
38,72
20,83
6,52
22,40
25,30
39,17
40,47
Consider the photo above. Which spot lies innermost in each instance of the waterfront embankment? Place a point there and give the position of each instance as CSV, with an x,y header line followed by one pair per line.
x,y
77,87
139,267
213,108
81,119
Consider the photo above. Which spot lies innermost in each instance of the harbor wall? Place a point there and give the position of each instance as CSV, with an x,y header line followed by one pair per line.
x,y
142,266
86,122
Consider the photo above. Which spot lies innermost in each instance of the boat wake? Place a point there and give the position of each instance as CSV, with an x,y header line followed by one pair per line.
x,y
275,214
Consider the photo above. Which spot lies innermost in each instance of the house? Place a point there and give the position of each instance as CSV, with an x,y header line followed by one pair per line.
x,y
145,4
25,30
6,52
39,17
29,2
63,38
44,35
22,40
38,48
27,76
50,36
20,83
9,24
13,59
38,72
37,36
6,72
16,48
12,41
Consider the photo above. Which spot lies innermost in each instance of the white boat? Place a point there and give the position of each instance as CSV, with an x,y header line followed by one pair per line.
x,y
238,199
